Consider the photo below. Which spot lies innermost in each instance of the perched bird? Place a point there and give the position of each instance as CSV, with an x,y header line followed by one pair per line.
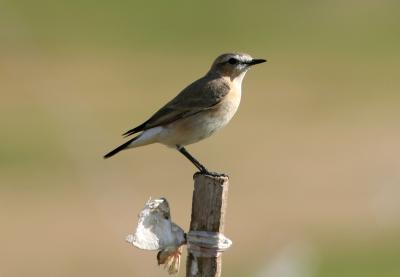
x,y
199,110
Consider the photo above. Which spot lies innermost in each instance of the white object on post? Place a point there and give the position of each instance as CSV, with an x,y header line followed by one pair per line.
x,y
155,231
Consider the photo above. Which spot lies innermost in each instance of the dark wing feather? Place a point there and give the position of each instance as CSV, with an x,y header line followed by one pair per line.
x,y
135,130
198,96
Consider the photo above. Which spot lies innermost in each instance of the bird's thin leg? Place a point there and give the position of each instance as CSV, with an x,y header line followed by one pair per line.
x,y
192,159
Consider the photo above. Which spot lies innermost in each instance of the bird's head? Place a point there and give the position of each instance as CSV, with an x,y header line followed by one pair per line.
x,y
233,64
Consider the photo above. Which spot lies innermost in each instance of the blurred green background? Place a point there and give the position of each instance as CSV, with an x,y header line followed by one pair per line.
x,y
313,153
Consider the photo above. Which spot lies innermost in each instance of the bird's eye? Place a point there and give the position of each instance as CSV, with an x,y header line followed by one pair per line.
x,y
233,61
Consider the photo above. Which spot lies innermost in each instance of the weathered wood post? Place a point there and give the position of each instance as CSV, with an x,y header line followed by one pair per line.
x,y
208,214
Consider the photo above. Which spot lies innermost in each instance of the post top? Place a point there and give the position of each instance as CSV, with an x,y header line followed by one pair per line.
x,y
211,175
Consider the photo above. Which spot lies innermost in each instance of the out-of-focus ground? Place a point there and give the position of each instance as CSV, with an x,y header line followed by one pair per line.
x,y
313,153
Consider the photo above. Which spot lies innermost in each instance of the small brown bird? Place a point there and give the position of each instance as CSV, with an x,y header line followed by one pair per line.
x,y
202,108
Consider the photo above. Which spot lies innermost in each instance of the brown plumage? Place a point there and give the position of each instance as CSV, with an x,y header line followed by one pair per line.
x,y
198,96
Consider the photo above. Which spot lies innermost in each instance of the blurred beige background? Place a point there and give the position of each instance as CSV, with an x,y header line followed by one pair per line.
x,y
313,153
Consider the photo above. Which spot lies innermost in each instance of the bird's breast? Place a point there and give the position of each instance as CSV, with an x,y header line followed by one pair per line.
x,y
227,108
203,124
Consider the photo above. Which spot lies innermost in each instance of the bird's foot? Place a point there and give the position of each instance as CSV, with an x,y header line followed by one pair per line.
x,y
210,173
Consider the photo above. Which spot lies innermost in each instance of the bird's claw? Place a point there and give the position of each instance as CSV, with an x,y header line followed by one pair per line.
x,y
209,173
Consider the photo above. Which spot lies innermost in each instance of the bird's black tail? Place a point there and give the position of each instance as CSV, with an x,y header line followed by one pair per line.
x,y
119,148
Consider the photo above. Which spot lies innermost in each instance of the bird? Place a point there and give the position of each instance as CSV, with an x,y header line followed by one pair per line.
x,y
198,111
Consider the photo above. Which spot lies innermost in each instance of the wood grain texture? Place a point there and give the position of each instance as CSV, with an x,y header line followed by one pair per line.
x,y
208,214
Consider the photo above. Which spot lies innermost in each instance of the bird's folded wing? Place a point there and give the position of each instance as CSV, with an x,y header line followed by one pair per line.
x,y
199,96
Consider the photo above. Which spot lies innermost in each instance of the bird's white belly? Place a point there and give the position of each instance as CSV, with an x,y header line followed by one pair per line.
x,y
201,125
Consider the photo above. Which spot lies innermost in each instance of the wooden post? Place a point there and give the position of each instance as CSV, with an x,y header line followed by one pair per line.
x,y
208,214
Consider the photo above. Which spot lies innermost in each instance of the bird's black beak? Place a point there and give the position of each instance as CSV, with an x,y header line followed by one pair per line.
x,y
256,61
